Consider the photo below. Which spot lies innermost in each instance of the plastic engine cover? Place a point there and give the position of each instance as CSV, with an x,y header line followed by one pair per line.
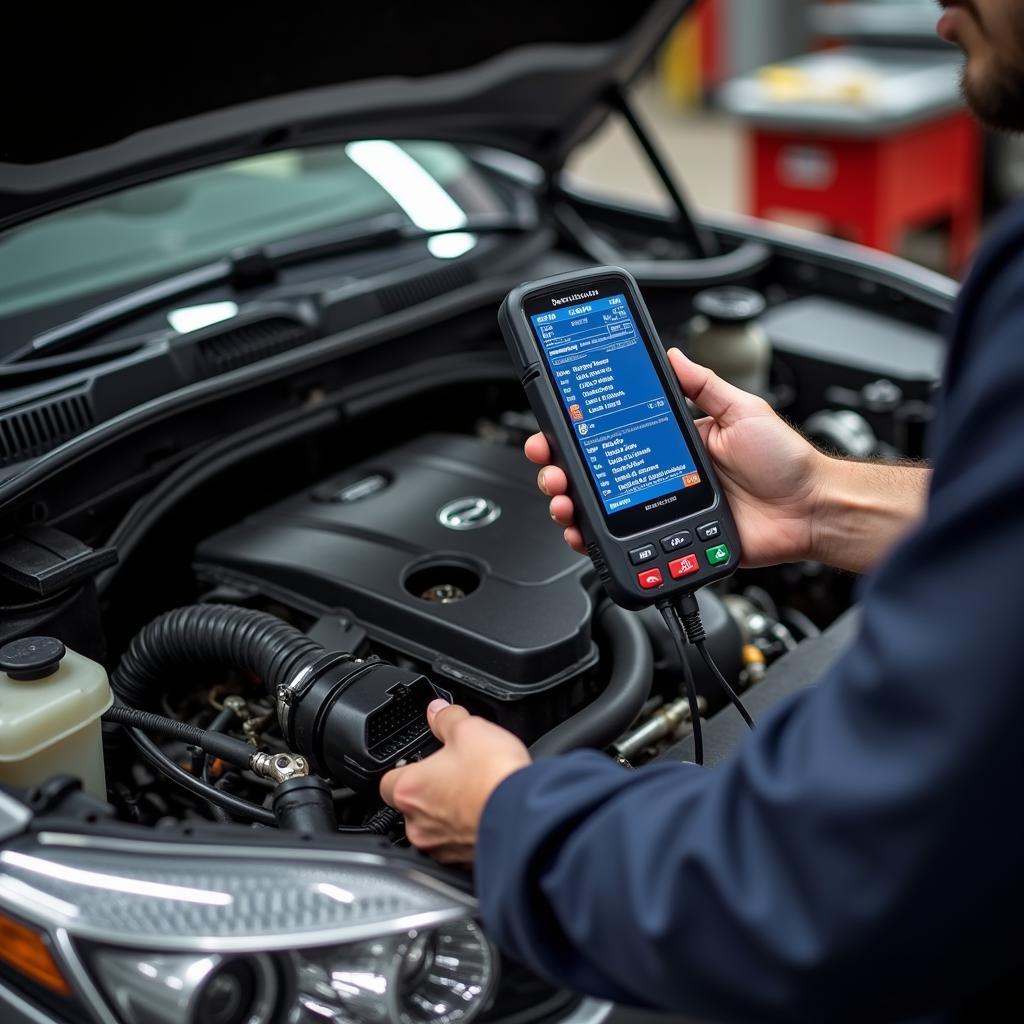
x,y
443,550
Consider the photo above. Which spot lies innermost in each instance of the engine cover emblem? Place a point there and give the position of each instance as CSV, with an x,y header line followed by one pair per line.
x,y
470,513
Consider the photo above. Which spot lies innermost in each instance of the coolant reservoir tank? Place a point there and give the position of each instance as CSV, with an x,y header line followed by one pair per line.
x,y
726,337
51,700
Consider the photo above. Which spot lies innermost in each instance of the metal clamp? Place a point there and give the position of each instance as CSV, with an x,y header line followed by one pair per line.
x,y
279,767
286,694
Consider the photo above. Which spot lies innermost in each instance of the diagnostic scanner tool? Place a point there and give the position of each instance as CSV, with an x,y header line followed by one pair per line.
x,y
652,513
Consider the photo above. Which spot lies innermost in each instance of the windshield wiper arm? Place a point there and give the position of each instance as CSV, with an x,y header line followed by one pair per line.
x,y
100,318
250,267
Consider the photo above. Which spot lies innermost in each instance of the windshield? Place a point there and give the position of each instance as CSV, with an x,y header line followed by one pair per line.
x,y
148,232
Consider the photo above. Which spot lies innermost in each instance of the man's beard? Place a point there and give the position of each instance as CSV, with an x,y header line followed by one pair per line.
x,y
997,100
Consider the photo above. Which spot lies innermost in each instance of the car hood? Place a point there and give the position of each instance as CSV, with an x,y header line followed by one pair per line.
x,y
95,107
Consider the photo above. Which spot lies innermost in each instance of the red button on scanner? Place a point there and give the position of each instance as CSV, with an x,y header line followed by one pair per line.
x,y
649,579
683,567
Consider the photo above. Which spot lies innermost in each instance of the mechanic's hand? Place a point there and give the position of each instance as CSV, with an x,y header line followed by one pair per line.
x,y
771,475
443,796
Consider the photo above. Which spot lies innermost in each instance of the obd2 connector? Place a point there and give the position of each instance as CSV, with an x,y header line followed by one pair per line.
x,y
355,719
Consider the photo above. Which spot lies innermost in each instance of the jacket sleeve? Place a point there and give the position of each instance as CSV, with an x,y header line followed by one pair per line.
x,y
861,854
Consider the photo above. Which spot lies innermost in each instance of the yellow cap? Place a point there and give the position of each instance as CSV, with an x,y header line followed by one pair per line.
x,y
752,655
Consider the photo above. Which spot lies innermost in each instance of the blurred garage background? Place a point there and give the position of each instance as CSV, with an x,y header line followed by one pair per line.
x,y
840,116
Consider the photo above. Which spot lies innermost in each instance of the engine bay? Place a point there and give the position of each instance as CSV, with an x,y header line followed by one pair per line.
x,y
323,623
428,569
282,582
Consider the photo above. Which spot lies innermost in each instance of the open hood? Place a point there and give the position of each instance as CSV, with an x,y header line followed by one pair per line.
x,y
92,107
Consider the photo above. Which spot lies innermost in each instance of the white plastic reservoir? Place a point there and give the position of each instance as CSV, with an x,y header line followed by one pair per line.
x,y
51,700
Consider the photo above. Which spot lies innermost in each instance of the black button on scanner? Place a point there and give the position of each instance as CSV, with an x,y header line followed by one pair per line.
x,y
640,555
709,531
682,539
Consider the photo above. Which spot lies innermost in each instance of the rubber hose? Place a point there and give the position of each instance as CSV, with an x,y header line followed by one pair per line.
x,y
223,785
210,634
613,711
304,804
222,722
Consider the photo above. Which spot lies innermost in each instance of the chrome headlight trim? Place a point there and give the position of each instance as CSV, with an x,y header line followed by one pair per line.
x,y
81,979
73,882
159,989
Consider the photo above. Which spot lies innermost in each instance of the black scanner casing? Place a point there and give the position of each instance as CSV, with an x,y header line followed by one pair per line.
x,y
610,554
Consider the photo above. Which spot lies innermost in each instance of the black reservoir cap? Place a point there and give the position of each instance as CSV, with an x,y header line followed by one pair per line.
x,y
32,657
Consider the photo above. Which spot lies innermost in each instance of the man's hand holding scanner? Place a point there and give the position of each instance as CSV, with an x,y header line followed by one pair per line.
x,y
791,502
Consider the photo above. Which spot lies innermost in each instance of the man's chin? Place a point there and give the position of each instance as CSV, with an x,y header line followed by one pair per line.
x,y
996,99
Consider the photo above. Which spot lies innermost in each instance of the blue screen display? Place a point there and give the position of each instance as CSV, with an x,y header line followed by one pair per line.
x,y
628,435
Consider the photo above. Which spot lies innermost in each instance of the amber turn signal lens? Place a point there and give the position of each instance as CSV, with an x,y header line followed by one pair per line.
x,y
26,951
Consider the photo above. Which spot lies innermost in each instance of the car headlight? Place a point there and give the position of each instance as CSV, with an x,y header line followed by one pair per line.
x,y
241,935
438,975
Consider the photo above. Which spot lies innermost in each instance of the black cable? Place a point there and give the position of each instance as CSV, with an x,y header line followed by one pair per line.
x,y
236,806
733,696
675,627
162,763
689,615
134,721
234,751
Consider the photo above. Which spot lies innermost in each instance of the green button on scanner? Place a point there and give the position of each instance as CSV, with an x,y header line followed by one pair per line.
x,y
718,554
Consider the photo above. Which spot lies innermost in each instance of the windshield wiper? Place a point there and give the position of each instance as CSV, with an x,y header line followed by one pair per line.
x,y
253,266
